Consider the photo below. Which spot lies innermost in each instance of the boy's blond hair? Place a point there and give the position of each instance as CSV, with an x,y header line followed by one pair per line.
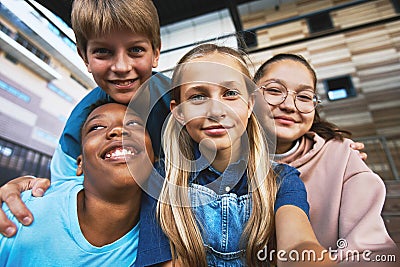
x,y
93,18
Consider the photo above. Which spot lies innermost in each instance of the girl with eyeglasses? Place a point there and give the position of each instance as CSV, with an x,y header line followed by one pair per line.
x,y
346,198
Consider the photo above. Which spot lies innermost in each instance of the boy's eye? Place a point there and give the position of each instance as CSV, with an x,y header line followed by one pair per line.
x,y
101,51
95,127
134,123
136,50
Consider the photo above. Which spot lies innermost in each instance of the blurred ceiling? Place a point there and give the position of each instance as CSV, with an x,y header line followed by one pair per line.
x,y
170,11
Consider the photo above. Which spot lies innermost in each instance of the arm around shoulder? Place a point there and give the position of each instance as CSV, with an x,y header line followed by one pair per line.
x,y
10,193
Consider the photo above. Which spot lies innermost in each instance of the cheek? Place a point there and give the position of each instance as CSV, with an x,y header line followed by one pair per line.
x,y
90,148
192,113
149,149
193,125
241,113
96,65
308,121
88,163
98,71
244,120
263,112
261,106
144,68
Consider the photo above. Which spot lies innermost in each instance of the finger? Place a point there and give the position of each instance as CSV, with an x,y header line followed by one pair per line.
x,y
11,196
357,146
363,156
7,227
39,186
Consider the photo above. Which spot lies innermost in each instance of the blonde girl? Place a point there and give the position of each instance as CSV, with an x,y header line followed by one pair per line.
x,y
221,201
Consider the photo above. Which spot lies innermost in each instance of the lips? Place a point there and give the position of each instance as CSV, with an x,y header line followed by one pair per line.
x,y
123,83
286,120
216,129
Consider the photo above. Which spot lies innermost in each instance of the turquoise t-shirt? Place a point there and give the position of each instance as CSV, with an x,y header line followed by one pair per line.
x,y
55,238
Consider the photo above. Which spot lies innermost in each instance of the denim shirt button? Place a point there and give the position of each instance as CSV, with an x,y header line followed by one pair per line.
x,y
227,189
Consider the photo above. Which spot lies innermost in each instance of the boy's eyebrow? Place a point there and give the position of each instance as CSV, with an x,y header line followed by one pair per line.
x,y
107,42
93,118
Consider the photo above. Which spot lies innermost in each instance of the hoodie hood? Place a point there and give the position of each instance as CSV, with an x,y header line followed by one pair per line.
x,y
310,145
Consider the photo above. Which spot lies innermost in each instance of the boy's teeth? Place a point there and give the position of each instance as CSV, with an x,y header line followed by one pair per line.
x,y
118,153
124,83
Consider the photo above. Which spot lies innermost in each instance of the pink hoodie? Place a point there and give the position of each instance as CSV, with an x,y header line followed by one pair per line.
x,y
346,198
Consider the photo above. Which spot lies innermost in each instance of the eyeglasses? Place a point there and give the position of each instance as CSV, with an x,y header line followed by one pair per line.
x,y
276,93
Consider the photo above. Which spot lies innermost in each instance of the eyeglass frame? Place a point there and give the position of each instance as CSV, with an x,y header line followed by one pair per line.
x,y
316,100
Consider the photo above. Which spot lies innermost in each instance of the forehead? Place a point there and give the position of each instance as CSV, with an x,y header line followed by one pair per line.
x,y
210,70
108,109
285,67
119,37
288,70
221,58
113,110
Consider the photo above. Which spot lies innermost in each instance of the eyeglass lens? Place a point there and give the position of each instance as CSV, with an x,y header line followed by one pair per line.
x,y
276,93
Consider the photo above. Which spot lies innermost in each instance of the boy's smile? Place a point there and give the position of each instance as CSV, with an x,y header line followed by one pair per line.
x,y
120,63
120,153
114,137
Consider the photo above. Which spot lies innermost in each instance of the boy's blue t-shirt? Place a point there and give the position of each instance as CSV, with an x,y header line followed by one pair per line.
x,y
55,238
155,246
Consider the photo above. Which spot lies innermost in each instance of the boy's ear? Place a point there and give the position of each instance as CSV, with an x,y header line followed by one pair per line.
x,y
79,170
84,58
177,112
156,57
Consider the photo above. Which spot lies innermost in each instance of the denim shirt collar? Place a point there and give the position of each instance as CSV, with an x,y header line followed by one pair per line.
x,y
233,179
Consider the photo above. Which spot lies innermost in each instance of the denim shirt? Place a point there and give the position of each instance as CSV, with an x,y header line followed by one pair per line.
x,y
222,206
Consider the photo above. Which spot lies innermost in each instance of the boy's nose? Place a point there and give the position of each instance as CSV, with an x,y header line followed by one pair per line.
x,y
122,63
117,132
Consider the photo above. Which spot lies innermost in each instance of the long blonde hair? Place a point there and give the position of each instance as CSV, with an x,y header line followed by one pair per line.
x,y
175,214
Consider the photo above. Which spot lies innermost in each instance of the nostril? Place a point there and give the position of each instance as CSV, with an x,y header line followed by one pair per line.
x,y
116,132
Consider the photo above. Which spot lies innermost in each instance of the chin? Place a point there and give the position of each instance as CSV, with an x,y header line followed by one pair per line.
x,y
124,99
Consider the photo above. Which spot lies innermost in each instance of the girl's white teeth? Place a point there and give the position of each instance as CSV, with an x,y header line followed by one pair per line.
x,y
118,153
